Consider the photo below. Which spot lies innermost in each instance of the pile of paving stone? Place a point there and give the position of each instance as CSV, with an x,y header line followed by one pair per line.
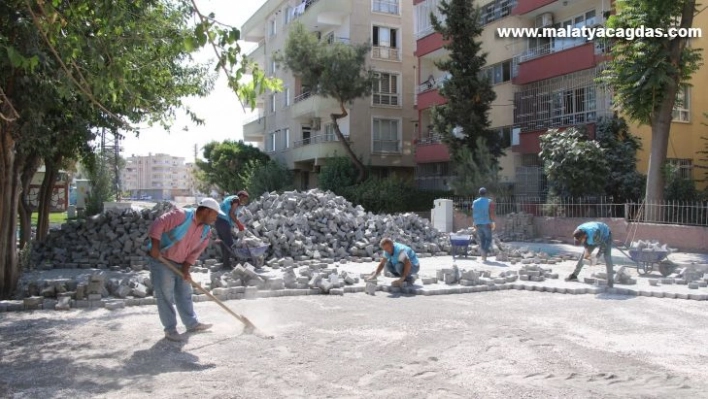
x,y
517,227
301,225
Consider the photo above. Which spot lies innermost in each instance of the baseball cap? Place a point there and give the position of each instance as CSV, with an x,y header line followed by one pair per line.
x,y
212,204
242,193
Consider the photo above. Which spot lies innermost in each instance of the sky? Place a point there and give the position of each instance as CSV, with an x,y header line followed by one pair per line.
x,y
221,110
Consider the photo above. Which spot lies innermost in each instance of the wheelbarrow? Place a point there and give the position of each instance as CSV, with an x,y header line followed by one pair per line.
x,y
460,244
646,259
254,255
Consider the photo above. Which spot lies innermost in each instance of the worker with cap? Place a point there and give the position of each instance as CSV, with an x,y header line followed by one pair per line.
x,y
483,221
231,208
179,236
400,260
592,235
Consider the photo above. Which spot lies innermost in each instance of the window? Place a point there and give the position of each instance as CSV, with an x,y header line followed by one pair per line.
x,y
273,29
270,142
386,136
498,73
495,10
682,106
273,67
423,25
286,93
386,89
505,134
272,103
385,37
286,137
562,43
385,6
288,17
681,167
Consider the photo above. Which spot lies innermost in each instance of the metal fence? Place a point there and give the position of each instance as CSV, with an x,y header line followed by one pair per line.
x,y
666,212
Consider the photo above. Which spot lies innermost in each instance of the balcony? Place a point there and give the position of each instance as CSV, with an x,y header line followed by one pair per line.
x,y
550,61
431,149
258,55
254,130
386,53
526,6
315,147
308,105
320,14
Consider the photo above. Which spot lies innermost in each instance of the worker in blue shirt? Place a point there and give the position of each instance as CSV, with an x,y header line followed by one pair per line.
x,y
232,208
594,235
483,221
399,260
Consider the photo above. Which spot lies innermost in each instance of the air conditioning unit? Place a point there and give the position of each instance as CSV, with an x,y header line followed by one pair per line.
x,y
316,123
544,20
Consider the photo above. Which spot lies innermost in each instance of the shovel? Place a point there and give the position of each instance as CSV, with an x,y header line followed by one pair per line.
x,y
250,328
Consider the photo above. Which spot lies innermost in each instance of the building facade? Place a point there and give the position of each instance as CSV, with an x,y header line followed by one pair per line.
x,y
295,127
157,176
541,84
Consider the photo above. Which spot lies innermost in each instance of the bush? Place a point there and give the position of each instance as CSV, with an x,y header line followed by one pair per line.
x,y
259,178
391,195
337,174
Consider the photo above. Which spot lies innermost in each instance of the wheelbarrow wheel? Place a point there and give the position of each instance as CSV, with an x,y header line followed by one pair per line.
x,y
666,269
644,268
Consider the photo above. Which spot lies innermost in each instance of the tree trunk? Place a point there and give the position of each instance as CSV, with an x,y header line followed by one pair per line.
x,y
347,148
661,124
9,199
29,168
45,196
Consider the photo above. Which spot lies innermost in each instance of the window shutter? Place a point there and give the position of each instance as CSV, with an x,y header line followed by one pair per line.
x,y
394,38
376,36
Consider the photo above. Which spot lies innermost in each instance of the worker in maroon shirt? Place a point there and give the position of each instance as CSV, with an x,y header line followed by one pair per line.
x,y
180,236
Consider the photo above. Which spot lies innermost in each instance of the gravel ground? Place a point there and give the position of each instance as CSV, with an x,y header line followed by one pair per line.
x,y
486,345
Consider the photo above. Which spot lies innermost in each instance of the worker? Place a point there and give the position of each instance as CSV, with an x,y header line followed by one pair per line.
x,y
399,260
179,236
232,208
483,221
592,235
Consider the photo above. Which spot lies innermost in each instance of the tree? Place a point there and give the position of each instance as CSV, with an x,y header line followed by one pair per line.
x,y
337,174
469,95
260,178
624,183
476,169
224,163
704,152
101,187
128,59
574,164
647,73
337,70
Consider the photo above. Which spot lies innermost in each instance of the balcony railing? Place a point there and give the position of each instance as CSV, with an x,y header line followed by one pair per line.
x,y
253,118
386,53
302,97
322,138
549,48
433,83
431,138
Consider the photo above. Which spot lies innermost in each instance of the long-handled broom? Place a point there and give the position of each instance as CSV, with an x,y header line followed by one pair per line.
x,y
250,327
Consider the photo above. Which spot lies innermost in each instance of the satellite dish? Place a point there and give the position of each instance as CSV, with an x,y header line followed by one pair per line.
x,y
458,132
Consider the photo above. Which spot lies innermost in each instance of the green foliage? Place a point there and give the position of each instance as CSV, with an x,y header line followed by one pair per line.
x,y
476,169
679,188
391,195
645,72
101,185
469,94
265,177
224,164
575,166
624,183
337,174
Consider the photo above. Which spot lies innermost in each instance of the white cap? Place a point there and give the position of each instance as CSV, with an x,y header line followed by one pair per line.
x,y
212,204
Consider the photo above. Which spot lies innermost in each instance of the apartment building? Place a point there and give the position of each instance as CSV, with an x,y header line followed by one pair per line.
x,y
541,84
158,176
294,126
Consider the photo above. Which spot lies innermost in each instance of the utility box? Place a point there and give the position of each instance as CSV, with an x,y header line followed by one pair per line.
x,y
442,215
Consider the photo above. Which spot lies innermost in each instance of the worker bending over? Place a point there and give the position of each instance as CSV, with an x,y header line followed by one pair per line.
x,y
399,260
592,235
232,208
